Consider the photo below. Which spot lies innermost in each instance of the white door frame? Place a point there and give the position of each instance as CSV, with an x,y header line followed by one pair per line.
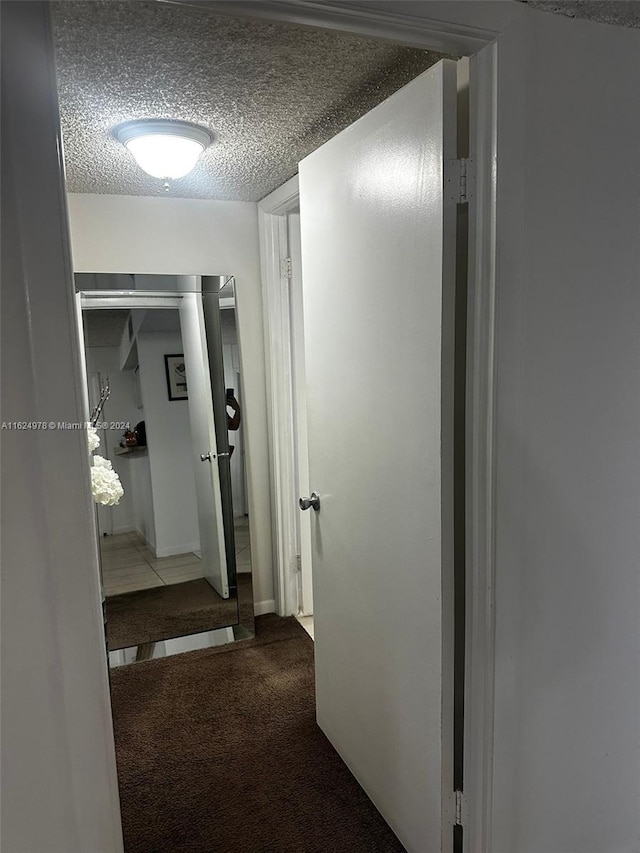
x,y
291,531
274,248
480,456
303,519
479,652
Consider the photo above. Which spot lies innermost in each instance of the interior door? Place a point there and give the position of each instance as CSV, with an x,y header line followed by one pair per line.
x,y
378,252
203,442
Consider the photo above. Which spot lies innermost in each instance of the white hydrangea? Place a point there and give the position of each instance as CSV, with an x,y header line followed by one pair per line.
x,y
101,462
105,483
93,439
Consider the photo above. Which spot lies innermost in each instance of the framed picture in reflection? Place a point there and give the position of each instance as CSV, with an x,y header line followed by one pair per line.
x,y
176,377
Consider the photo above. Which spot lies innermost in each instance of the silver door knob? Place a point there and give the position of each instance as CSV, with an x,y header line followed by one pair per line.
x,y
313,501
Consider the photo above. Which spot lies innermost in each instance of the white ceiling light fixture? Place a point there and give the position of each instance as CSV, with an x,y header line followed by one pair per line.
x,y
164,149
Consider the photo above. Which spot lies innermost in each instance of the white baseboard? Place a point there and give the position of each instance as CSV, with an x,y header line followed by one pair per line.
x,y
118,530
262,607
174,550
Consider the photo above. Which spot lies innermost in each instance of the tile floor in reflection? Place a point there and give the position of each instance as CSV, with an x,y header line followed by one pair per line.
x,y
128,564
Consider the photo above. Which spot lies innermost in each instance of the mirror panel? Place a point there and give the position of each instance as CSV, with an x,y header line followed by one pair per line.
x,y
175,549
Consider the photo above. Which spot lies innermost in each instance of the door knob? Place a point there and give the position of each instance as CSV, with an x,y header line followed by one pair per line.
x,y
313,501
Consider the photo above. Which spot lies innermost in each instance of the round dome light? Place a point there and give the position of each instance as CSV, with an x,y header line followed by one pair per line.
x,y
164,149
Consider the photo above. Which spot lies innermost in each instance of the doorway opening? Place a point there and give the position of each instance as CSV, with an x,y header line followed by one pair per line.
x,y
299,589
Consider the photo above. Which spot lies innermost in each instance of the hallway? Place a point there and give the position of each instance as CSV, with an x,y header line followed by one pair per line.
x,y
218,750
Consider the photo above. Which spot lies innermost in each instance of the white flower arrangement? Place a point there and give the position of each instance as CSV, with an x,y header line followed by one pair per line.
x,y
93,439
106,487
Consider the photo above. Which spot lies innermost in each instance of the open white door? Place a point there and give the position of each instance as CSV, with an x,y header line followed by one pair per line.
x,y
378,252
203,441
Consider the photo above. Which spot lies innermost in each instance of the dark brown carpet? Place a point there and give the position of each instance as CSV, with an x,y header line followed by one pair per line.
x,y
135,618
219,752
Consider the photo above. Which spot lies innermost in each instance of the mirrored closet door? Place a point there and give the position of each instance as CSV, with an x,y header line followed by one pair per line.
x,y
165,392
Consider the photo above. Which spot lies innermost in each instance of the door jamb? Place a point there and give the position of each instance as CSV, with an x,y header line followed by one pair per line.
x,y
480,619
480,445
274,248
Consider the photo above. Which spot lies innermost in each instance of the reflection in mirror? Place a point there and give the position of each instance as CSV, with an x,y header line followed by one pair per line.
x,y
175,550
234,396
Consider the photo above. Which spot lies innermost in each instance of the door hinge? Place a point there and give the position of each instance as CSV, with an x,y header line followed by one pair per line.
x,y
285,268
460,180
459,803
298,563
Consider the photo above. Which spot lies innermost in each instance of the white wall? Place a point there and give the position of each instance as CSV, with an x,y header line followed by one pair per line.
x,y
135,508
567,763
143,516
170,448
59,786
189,237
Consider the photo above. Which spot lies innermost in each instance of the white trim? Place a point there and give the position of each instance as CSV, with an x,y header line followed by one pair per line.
x,y
177,550
105,300
480,488
283,200
303,484
408,30
262,607
277,335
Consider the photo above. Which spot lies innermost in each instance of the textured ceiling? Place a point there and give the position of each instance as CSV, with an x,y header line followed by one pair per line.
x,y
104,328
625,13
271,93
